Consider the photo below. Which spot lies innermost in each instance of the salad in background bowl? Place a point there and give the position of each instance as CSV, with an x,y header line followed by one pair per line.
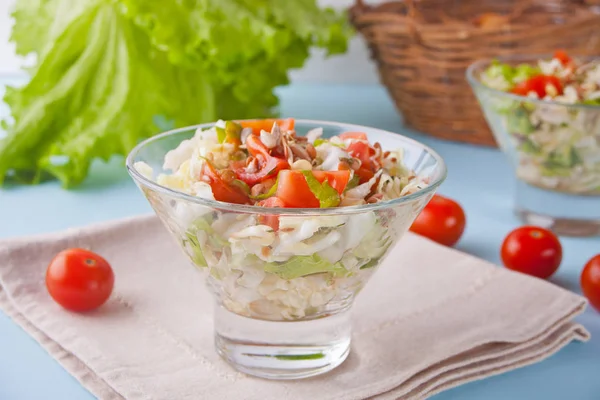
x,y
545,114
288,219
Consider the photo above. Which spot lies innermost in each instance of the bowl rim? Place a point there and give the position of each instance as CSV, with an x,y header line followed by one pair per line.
x,y
253,209
475,82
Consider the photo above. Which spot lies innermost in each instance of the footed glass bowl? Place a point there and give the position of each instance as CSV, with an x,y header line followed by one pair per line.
x,y
554,149
283,298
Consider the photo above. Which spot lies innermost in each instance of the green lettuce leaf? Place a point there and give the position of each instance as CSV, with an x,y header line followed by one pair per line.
x,y
529,147
512,74
200,225
246,47
107,70
197,256
522,72
221,134
561,161
593,102
94,95
299,266
353,182
327,195
374,245
518,121
270,193
39,23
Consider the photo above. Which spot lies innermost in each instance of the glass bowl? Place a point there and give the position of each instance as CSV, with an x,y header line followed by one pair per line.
x,y
283,298
554,149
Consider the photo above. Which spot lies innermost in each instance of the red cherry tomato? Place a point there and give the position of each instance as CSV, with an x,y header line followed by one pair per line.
x,y
79,280
590,281
538,85
442,220
532,250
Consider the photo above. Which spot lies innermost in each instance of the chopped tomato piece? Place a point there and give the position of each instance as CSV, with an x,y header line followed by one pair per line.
x,y
563,57
362,151
353,135
364,174
287,124
271,220
221,190
256,147
268,165
273,201
344,166
267,124
337,179
293,190
538,84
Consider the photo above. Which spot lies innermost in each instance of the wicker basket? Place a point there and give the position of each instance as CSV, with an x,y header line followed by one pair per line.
x,y
422,49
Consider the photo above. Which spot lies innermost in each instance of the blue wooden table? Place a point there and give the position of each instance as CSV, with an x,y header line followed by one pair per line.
x,y
479,178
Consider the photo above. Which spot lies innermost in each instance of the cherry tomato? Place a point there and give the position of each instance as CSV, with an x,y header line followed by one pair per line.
x,y
267,124
590,281
532,250
353,135
538,85
271,220
337,179
442,220
223,190
79,280
293,190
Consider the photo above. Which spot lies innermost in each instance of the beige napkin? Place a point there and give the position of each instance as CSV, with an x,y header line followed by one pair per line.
x,y
430,319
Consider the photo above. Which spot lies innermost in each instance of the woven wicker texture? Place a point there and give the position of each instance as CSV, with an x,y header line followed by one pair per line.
x,y
422,49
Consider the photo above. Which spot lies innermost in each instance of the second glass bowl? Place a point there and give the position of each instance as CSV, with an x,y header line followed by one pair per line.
x,y
554,149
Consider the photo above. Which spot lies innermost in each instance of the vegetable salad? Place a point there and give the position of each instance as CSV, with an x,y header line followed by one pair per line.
x,y
557,141
286,266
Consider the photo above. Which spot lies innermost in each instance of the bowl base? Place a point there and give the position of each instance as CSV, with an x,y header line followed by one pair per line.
x,y
282,349
565,214
561,226
281,362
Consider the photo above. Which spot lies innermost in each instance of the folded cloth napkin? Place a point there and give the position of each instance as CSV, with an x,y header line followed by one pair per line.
x,y
430,319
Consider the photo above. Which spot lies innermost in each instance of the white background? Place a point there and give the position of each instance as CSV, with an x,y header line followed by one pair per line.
x,y
353,67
